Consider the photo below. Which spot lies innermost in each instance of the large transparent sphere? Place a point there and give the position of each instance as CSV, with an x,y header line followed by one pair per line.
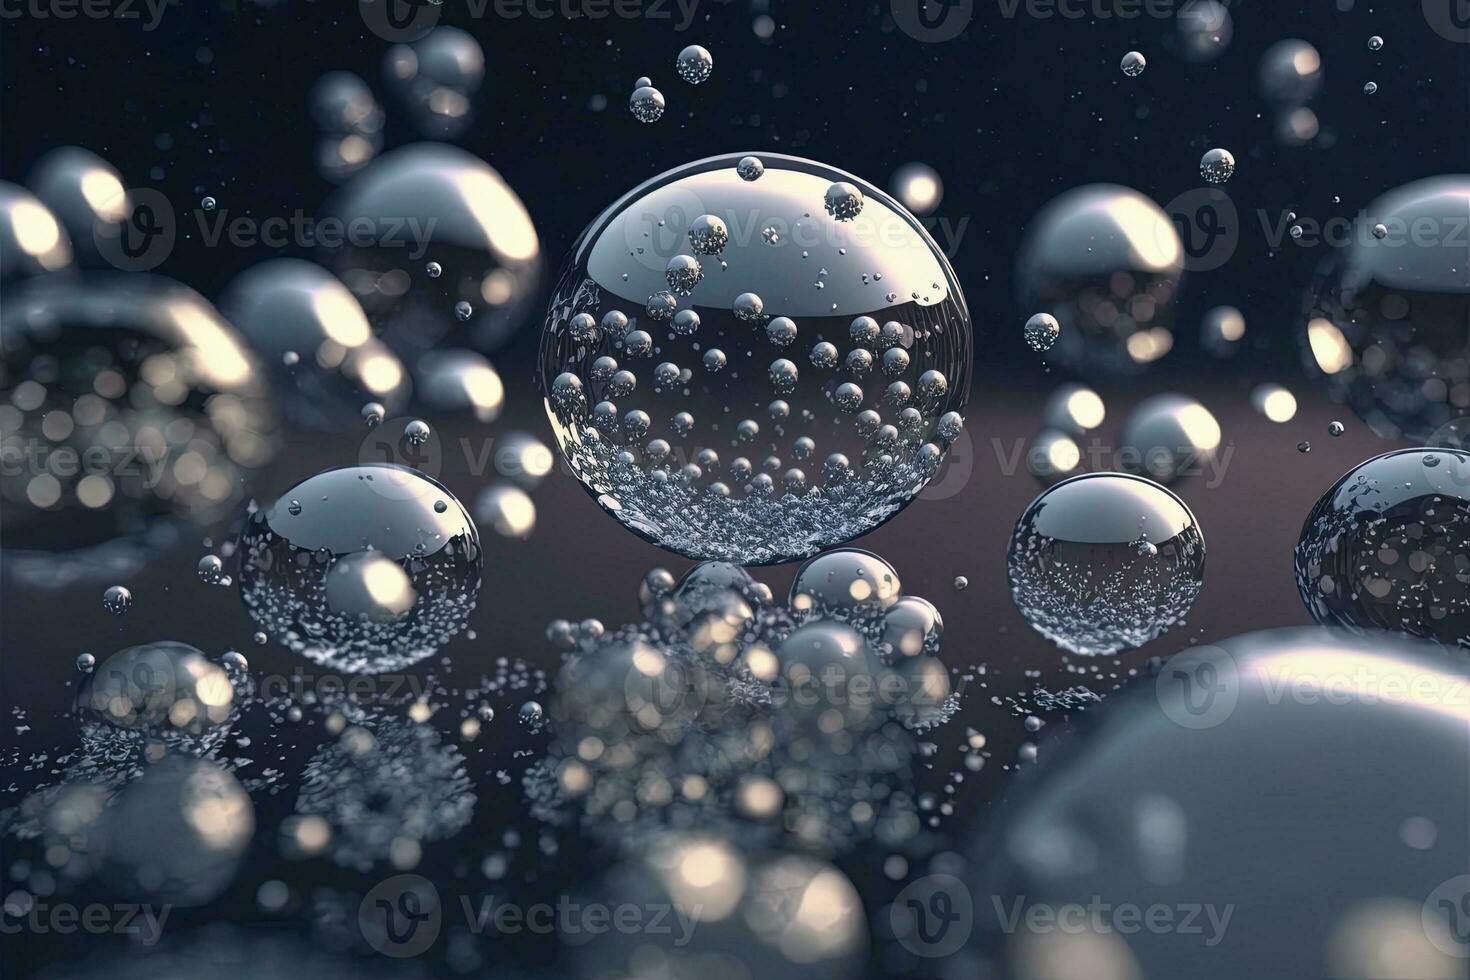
x,y
1388,321
754,364
1388,547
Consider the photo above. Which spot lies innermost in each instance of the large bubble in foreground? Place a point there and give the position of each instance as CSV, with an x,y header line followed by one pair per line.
x,y
1388,547
131,412
177,834
361,568
1107,263
1388,321
312,335
1105,562
755,368
1269,792
431,203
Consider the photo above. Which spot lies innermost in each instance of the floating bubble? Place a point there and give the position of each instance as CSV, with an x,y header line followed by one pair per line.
x,y
163,692
290,552
1174,762
1074,409
460,381
1053,456
1042,331
760,300
211,569
1204,29
429,198
32,241
1105,562
1290,72
1106,262
290,308
118,599
1370,88
1274,402
918,187
350,121
506,509
845,580
1217,165
695,64
373,414
1386,322
1170,436
1222,330
1335,429
1375,43
85,662
177,835
84,192
646,104
1388,547
1133,64
750,168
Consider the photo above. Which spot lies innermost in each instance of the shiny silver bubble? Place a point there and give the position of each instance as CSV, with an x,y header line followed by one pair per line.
x,y
1170,436
1133,64
460,381
695,64
437,77
1105,562
760,298
163,692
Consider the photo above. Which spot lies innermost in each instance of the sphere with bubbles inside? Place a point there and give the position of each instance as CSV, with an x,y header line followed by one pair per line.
x,y
1387,317
1105,562
1388,547
361,568
736,371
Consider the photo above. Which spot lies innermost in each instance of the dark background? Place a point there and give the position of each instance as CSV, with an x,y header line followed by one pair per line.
x,y
1011,113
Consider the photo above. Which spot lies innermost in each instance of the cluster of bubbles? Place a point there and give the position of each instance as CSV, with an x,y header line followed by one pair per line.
x,y
727,711
1388,547
1106,263
1105,562
349,121
755,397
694,65
361,568
1290,75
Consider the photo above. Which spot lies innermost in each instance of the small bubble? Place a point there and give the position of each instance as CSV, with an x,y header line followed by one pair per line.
x,y
85,662
1304,447
1369,88
961,583
1133,64
417,432
209,204
373,413
1335,429
434,269
1375,43
211,569
117,600
463,310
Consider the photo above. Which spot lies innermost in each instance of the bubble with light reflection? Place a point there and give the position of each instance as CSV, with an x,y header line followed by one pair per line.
x,y
32,241
1204,29
1074,409
1290,72
437,77
350,122
1172,767
1386,316
83,191
429,201
361,568
287,306
918,187
164,692
460,381
144,412
1388,547
845,343
1169,436
1106,262
1105,562
177,834
1222,330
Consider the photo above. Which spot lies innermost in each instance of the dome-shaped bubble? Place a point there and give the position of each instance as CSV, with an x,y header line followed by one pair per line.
x,y
1166,794
1106,262
1169,436
436,77
365,618
1386,319
912,626
177,834
32,241
83,191
431,202
728,464
1388,547
164,691
287,306
844,580
1105,562
1290,72
139,411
